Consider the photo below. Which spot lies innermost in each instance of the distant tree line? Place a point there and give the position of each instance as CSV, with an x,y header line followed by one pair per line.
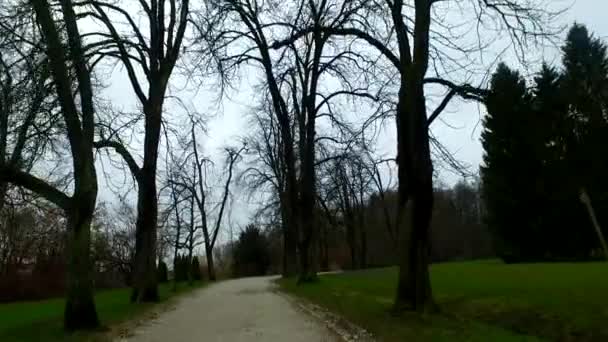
x,y
458,232
544,142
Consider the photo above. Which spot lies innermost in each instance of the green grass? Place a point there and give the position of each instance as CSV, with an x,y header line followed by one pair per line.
x,y
42,320
479,301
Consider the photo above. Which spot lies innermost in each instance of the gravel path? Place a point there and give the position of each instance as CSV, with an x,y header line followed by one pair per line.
x,y
236,310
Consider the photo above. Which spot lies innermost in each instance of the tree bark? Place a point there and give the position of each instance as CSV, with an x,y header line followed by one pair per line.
x,y
145,281
414,285
210,262
415,201
290,257
309,227
80,310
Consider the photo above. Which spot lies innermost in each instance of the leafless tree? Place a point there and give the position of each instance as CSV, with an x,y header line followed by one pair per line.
x,y
176,208
149,59
413,36
118,233
293,73
195,183
66,57
28,117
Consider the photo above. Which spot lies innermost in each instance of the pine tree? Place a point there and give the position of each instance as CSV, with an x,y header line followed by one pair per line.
x,y
542,146
511,168
586,88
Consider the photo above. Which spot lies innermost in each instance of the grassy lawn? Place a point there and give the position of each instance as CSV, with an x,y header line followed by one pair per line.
x,y
480,301
42,320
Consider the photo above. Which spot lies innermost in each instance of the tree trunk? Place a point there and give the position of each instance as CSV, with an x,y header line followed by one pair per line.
x,y
145,280
290,254
146,283
290,258
414,285
415,202
80,310
210,262
309,235
176,249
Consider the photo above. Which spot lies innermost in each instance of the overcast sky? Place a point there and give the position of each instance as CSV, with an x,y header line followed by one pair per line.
x,y
459,129
464,139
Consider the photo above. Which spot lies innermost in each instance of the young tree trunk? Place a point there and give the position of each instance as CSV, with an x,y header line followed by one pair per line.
x,y
210,262
80,313
145,280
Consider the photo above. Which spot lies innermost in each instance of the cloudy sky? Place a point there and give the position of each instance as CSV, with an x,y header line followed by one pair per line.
x,y
459,129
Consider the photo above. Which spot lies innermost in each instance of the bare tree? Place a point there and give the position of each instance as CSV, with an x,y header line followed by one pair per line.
x,y
177,199
27,119
265,174
78,116
195,184
293,73
412,37
153,56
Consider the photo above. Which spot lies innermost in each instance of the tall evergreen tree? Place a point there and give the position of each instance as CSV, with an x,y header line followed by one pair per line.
x,y
511,169
542,148
586,87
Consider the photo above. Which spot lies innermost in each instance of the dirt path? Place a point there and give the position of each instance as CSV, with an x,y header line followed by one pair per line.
x,y
235,310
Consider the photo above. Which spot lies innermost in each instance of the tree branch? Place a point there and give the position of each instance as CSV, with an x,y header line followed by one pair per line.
x,y
122,151
36,185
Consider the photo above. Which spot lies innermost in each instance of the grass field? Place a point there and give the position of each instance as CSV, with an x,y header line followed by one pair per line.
x,y
480,301
42,320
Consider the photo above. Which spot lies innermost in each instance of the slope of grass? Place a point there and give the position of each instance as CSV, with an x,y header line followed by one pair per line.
x,y
480,301
42,320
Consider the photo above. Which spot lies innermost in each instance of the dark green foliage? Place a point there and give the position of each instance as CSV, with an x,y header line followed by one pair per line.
x,y
509,164
542,146
162,272
181,268
251,253
195,269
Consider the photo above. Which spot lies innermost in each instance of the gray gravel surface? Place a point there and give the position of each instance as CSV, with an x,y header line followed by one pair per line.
x,y
247,309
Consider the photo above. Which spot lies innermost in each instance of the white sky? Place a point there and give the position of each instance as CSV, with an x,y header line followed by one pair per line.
x,y
226,122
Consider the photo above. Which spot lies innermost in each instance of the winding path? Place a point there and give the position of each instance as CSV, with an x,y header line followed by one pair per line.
x,y
235,310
